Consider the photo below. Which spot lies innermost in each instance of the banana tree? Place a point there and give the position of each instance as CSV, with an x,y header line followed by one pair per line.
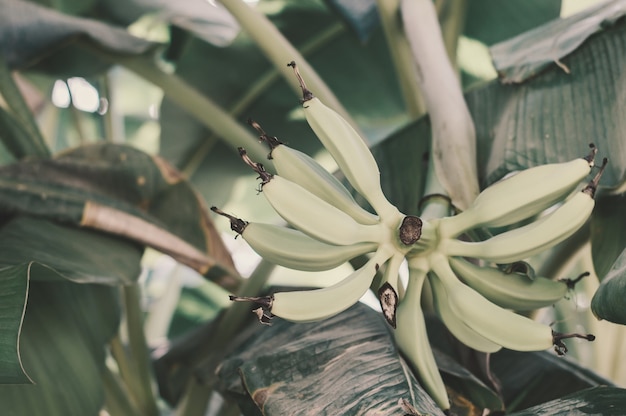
x,y
421,109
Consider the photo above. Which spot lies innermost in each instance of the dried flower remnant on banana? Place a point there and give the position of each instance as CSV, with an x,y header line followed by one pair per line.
x,y
474,298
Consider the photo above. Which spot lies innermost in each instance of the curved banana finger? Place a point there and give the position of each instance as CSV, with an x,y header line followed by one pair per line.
x,y
292,248
461,331
298,207
349,150
498,325
412,338
510,290
302,169
521,196
318,304
535,237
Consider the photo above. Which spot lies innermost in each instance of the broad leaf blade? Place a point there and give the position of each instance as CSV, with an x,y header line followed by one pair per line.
x,y
530,378
608,239
120,190
68,252
608,301
13,295
343,365
552,117
526,55
36,37
62,342
606,401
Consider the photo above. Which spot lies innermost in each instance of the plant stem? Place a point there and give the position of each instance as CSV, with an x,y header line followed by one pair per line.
x,y
256,90
452,17
125,367
400,50
189,99
139,349
453,135
116,398
197,394
279,51
436,205
15,100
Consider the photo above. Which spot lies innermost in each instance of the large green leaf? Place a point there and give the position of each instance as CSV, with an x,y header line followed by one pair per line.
x,y
69,252
42,39
526,55
62,347
608,239
606,401
553,116
608,301
120,190
530,378
33,250
343,365
13,295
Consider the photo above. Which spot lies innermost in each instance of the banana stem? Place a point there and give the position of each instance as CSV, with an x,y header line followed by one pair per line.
x,y
400,50
280,52
453,135
435,203
139,350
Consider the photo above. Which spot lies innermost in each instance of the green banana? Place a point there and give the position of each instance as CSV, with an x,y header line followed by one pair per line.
x,y
510,290
530,239
521,196
464,333
496,324
349,150
318,304
302,169
412,338
300,207
292,248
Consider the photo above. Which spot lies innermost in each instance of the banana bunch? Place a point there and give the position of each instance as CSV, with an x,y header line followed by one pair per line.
x,y
474,298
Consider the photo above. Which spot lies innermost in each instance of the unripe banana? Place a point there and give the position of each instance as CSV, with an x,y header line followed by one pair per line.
x,y
312,215
521,196
510,290
349,151
412,338
302,169
535,237
498,325
292,248
464,333
318,304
